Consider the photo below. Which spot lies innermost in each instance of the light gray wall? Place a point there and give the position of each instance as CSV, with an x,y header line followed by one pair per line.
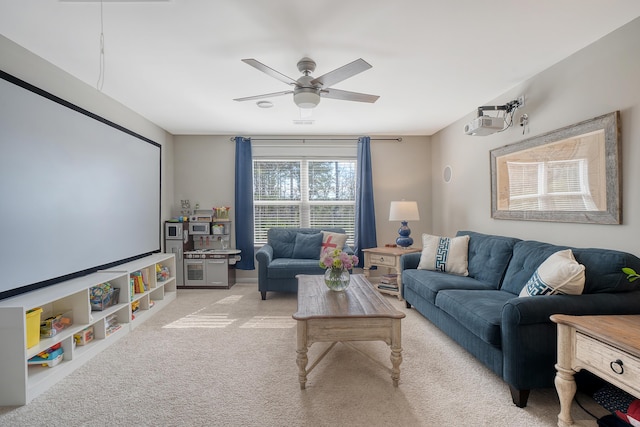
x,y
597,80
601,78
204,174
21,63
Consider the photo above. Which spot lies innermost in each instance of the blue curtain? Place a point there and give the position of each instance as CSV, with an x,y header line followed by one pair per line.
x,y
365,232
244,203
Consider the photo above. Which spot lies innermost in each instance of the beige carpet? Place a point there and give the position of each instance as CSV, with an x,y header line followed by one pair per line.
x,y
227,358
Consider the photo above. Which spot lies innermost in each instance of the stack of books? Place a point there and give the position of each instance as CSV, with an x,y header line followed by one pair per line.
x,y
389,282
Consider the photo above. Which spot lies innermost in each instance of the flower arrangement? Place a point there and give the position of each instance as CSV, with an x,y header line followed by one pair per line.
x,y
338,260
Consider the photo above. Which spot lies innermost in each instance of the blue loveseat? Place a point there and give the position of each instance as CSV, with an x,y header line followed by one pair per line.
x,y
287,253
513,335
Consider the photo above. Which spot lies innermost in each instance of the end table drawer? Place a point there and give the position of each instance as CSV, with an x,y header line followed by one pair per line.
x,y
613,364
382,260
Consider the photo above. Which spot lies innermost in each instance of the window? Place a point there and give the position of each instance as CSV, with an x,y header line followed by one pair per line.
x,y
304,192
561,185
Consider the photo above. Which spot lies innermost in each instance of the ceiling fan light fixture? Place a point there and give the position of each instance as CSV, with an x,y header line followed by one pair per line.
x,y
306,97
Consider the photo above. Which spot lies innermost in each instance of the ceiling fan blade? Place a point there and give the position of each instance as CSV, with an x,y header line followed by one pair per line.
x,y
348,96
342,73
270,71
266,95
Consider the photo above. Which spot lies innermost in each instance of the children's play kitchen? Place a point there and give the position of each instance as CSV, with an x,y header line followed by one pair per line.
x,y
202,238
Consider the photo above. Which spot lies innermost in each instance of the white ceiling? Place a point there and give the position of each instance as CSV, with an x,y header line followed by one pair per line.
x,y
178,62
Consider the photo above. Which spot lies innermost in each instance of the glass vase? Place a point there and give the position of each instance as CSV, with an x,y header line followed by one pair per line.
x,y
337,279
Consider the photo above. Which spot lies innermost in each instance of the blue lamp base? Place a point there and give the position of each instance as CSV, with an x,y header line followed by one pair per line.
x,y
404,241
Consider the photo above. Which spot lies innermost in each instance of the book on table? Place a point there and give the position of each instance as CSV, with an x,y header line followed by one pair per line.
x,y
389,279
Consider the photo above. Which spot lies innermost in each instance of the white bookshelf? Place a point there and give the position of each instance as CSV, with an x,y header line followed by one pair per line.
x,y
22,382
159,293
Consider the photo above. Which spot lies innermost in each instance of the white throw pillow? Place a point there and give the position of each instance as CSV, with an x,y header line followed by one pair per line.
x,y
332,241
448,254
558,274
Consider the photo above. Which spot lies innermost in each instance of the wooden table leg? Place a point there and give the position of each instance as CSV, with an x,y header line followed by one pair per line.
x,y
399,279
396,351
564,381
302,358
367,265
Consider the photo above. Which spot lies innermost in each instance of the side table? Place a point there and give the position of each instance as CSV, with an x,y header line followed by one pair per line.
x,y
607,346
386,257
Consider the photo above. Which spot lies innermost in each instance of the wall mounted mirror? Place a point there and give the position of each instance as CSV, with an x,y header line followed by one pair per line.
x,y
568,175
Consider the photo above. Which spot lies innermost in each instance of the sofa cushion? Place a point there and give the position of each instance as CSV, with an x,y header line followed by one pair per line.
x,y
331,240
282,240
558,274
603,270
307,246
480,311
603,267
289,268
489,256
428,283
445,254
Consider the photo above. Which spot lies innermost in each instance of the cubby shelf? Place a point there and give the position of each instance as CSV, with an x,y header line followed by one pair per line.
x,y
22,382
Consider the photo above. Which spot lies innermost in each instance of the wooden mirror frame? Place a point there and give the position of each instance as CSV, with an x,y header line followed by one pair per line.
x,y
609,214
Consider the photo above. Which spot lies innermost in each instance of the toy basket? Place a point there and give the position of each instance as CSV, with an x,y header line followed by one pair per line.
x,y
33,327
106,300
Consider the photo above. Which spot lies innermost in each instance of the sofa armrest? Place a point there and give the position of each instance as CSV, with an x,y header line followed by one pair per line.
x,y
264,255
538,309
410,261
529,337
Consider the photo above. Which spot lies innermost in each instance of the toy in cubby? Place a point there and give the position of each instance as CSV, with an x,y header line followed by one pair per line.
x,y
50,357
103,296
162,272
50,326
135,306
84,337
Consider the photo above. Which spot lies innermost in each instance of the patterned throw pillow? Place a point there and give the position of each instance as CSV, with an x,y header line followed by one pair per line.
x,y
332,241
558,274
447,254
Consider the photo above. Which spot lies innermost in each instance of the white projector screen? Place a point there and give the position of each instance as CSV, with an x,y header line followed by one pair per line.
x,y
78,193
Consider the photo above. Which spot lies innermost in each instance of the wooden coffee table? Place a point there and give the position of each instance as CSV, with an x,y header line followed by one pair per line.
x,y
359,313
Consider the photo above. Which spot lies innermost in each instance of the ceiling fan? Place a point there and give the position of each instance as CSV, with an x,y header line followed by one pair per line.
x,y
307,90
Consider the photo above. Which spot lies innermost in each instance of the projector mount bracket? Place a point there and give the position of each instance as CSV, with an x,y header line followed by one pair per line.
x,y
508,107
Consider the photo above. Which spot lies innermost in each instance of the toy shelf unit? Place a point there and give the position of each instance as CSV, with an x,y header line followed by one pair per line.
x,y
156,290
79,331
23,381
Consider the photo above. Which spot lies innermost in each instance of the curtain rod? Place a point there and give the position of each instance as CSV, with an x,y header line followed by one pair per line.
x,y
399,139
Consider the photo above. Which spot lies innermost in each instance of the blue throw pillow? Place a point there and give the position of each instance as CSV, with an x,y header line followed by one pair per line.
x,y
307,246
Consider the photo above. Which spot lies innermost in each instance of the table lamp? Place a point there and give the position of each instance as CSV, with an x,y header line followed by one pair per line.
x,y
404,211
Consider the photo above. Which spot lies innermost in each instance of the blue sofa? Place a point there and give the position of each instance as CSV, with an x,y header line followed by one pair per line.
x,y
513,335
278,264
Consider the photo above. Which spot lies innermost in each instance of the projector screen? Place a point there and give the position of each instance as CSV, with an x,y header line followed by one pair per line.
x,y
78,193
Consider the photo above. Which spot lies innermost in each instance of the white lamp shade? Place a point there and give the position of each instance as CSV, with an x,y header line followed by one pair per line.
x,y
306,97
404,211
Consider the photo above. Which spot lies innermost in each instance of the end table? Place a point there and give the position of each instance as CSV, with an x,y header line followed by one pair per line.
x,y
390,258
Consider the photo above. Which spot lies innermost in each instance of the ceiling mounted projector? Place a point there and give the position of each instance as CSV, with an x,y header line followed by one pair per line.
x,y
484,125
487,125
